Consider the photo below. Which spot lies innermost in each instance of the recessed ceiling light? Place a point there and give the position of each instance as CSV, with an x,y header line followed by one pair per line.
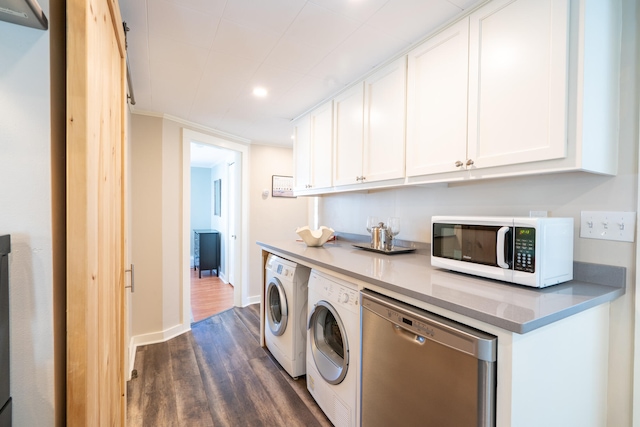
x,y
260,91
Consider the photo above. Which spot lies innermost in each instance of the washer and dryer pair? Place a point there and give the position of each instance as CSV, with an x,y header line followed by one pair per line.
x,y
328,332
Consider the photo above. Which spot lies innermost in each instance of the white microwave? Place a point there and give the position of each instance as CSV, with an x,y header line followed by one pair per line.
x,y
535,252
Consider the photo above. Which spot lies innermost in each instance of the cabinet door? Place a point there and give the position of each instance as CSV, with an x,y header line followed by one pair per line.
x,y
209,252
437,102
301,154
347,139
321,145
384,123
518,82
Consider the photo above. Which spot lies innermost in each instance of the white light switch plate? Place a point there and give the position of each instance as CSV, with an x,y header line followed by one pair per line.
x,y
619,226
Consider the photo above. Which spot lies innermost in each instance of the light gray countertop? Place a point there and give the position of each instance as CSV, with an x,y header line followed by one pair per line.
x,y
514,308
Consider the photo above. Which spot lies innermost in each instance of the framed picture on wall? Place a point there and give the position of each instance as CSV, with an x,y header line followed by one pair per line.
x,y
282,186
217,184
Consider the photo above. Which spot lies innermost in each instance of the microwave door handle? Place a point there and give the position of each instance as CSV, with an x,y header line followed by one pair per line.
x,y
500,247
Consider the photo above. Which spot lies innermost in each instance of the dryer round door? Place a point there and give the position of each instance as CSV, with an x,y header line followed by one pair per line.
x,y
277,308
328,340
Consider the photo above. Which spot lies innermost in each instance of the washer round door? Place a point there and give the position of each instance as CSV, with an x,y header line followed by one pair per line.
x,y
277,308
328,340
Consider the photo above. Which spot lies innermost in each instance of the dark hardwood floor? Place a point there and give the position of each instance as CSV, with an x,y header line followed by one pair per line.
x,y
217,375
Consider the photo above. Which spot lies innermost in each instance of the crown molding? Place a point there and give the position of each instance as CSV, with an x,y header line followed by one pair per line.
x,y
193,125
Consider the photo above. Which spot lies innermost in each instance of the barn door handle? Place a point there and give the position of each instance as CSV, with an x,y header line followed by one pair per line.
x,y
132,276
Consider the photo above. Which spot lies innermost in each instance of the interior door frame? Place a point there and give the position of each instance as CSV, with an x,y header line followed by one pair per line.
x,y
242,243
234,209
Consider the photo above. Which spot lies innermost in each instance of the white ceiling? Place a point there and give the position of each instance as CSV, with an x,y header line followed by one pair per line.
x,y
209,156
199,60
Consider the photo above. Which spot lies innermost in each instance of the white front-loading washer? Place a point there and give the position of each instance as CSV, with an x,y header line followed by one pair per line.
x,y
333,348
286,313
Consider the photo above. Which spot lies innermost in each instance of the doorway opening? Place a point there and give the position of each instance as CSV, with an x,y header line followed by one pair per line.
x,y
215,190
212,213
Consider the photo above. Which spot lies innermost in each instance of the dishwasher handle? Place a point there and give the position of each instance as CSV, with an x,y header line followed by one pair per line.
x,y
408,335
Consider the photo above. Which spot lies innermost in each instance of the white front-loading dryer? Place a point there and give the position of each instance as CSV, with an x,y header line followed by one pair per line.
x,y
333,348
286,313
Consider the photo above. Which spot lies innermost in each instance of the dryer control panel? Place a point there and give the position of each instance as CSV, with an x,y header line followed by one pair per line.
x,y
336,291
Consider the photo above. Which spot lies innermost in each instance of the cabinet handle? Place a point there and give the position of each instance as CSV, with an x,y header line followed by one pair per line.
x,y
362,178
357,178
459,163
132,276
469,162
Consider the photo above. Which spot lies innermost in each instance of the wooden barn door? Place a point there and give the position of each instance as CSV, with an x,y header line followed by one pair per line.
x,y
96,101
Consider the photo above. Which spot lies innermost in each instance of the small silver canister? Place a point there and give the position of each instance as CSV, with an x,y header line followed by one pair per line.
x,y
379,237
375,237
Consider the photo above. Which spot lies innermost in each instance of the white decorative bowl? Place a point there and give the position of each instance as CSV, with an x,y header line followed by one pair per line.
x,y
315,237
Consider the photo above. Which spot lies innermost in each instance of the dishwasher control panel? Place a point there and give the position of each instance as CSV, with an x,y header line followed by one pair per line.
x,y
430,326
410,323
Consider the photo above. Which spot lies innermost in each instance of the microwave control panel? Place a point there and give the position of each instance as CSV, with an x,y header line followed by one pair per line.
x,y
525,249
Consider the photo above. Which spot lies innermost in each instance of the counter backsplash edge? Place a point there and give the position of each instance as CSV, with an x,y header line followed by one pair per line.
x,y
607,275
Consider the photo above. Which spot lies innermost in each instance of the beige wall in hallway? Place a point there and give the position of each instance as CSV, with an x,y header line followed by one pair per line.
x,y
156,163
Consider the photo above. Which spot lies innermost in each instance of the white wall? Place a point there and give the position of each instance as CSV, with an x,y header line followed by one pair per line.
x,y
271,218
25,213
146,223
172,249
563,195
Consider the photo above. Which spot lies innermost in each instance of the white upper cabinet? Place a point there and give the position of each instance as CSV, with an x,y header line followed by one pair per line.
x,y
312,150
302,154
513,57
321,121
541,92
437,102
518,67
369,125
383,154
517,87
348,136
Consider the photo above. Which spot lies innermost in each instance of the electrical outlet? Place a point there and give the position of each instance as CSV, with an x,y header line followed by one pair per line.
x,y
619,226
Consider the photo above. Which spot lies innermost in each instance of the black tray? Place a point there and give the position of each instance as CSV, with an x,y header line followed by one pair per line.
x,y
395,250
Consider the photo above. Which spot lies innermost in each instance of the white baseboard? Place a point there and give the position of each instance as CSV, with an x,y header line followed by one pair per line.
x,y
153,338
251,300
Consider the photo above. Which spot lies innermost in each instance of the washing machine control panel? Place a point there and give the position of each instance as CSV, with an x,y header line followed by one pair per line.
x,y
284,271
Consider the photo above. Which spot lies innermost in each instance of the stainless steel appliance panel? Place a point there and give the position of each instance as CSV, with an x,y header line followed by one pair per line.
x,y
419,369
5,400
5,415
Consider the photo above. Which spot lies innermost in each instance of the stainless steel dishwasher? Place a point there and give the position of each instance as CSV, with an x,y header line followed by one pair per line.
x,y
420,369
